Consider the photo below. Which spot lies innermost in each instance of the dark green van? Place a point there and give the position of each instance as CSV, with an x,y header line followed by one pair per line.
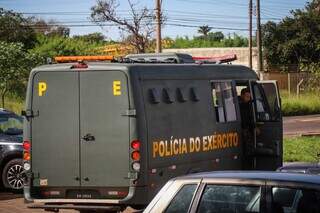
x,y
103,134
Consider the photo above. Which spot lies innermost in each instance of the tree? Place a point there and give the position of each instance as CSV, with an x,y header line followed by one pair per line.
x,y
216,36
92,37
137,29
15,65
294,40
51,46
15,28
204,30
50,28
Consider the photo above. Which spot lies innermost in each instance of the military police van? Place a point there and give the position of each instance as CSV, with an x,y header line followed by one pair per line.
x,y
100,135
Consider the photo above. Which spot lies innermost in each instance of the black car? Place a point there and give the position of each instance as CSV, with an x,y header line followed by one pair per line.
x,y
239,192
307,168
11,150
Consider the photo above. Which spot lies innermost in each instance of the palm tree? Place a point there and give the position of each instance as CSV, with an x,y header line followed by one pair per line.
x,y
204,30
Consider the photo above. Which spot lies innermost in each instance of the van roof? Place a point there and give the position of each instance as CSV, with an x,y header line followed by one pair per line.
x,y
162,57
150,70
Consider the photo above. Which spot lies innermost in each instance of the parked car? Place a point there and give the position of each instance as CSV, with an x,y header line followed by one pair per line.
x,y
308,168
11,150
226,192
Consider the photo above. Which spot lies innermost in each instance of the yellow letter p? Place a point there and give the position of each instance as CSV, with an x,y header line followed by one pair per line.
x,y
42,87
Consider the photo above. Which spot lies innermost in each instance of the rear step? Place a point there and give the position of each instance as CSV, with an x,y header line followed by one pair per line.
x,y
56,208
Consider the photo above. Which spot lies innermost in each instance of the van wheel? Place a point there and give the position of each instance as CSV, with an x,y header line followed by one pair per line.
x,y
12,175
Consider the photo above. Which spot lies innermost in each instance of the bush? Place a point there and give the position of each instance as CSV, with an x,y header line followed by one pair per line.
x,y
305,104
49,47
201,42
15,105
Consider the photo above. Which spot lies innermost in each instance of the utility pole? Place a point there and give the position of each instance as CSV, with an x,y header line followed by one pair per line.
x,y
259,45
250,34
158,29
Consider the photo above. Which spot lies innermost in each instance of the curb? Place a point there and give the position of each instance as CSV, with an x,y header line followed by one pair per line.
x,y
310,134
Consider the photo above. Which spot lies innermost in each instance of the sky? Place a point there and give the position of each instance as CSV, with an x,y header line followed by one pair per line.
x,y
183,16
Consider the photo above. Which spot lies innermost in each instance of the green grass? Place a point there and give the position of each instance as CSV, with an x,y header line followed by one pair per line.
x,y
305,104
14,105
301,149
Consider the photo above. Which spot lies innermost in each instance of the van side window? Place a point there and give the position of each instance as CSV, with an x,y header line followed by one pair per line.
x,y
270,91
261,107
224,101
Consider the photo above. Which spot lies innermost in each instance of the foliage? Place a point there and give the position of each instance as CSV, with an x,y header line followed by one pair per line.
x,y
214,39
305,104
312,84
49,47
296,39
301,149
14,104
216,36
204,30
15,28
15,64
50,28
137,31
92,37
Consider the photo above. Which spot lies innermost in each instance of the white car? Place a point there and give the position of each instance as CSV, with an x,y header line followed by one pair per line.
x,y
239,192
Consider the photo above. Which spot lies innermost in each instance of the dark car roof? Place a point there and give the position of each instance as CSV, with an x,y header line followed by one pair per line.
x,y
300,166
257,175
5,112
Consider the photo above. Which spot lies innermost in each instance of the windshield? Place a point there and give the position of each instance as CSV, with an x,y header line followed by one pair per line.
x,y
11,124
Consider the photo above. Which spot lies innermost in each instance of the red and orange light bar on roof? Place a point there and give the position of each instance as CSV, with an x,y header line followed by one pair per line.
x,y
64,59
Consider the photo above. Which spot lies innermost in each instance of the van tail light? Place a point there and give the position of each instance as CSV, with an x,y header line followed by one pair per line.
x,y
135,155
135,144
26,150
26,156
26,146
136,166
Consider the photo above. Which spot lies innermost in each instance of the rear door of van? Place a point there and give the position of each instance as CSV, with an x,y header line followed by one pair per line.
x,y
80,137
55,129
103,102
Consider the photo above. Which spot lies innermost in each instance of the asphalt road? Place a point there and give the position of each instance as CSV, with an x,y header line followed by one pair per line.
x,y
14,203
301,125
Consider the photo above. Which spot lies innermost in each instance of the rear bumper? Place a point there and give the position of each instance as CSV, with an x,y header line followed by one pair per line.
x,y
136,196
56,208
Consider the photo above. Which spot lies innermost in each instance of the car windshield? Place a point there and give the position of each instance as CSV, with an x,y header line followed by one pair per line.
x,y
11,124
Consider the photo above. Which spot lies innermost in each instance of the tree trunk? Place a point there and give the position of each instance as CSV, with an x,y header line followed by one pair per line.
x,y
2,99
3,95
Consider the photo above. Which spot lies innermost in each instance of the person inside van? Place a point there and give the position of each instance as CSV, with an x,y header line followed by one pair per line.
x,y
247,124
246,109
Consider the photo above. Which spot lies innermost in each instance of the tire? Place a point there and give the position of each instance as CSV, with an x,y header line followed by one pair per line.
x,y
12,176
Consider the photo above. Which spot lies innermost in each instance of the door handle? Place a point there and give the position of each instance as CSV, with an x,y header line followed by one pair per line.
x,y
88,137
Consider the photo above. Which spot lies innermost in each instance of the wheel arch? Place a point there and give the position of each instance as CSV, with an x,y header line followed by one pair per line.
x,y
8,157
